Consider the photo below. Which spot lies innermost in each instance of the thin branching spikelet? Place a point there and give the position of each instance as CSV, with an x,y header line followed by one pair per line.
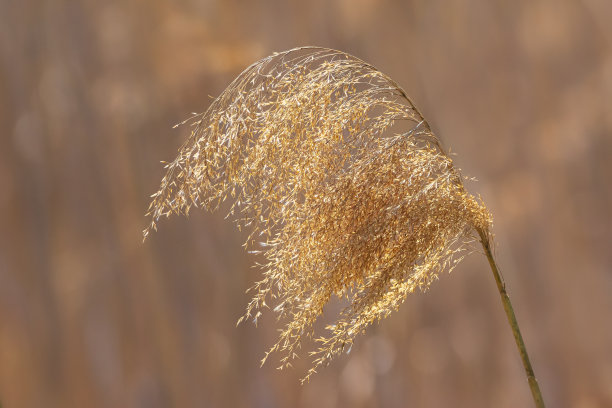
x,y
340,180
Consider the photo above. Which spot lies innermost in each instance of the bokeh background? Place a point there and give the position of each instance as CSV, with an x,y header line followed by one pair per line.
x,y
92,317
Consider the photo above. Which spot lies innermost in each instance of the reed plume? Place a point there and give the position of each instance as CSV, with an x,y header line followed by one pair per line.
x,y
342,185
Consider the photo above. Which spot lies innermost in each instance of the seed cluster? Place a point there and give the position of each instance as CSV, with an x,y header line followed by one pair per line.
x,y
341,184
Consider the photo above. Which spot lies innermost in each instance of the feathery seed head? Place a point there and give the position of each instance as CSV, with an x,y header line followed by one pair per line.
x,y
338,176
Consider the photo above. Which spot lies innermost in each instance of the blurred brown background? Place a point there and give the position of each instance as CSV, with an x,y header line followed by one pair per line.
x,y
92,317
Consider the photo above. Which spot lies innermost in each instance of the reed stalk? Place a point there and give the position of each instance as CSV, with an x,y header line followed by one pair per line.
x,y
485,240
345,189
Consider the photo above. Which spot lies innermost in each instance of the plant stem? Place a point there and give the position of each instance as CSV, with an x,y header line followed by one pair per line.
x,y
501,286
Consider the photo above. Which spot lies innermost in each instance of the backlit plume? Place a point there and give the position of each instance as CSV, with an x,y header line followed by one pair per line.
x,y
339,181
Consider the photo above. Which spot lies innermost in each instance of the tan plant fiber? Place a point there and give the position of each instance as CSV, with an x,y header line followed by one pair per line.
x,y
342,184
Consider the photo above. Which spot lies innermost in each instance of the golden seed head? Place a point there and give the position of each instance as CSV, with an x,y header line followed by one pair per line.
x,y
339,178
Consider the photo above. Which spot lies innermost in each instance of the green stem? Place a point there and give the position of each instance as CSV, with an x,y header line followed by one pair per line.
x,y
501,286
